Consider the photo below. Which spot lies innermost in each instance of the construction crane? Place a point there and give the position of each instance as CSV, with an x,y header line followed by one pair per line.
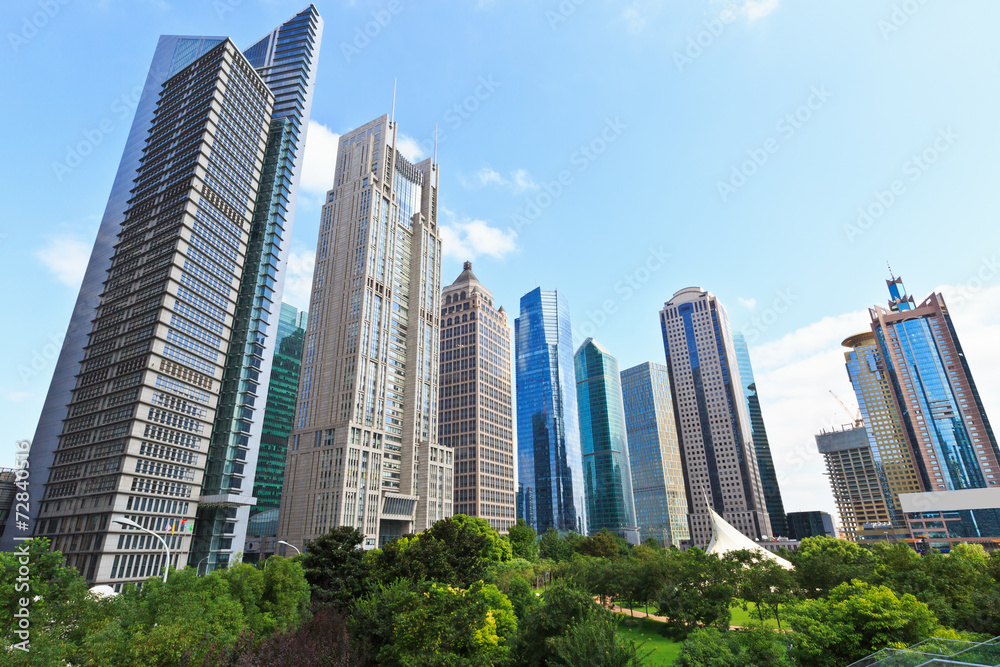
x,y
855,416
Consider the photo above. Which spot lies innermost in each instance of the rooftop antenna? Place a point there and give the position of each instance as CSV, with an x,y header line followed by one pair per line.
x,y
392,118
434,161
891,274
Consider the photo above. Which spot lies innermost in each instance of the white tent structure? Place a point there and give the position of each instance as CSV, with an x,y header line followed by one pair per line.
x,y
726,538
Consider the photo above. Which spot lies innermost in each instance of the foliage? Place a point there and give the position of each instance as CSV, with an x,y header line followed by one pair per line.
x,y
699,592
560,609
558,548
523,540
521,597
336,568
595,642
710,647
764,584
823,563
604,544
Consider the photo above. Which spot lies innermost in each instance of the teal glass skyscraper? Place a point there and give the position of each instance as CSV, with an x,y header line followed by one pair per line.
x,y
765,463
655,455
550,466
607,476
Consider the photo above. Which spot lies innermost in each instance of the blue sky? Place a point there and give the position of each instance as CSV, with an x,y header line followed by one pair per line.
x,y
617,151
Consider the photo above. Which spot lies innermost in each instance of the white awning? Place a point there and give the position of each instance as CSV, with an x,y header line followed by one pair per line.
x,y
726,538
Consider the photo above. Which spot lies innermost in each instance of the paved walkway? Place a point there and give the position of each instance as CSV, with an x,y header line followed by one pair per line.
x,y
641,614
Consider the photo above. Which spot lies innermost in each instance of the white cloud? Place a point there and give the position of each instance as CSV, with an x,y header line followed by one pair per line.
x,y
523,181
756,9
320,160
488,176
796,373
520,180
634,19
410,148
298,279
467,239
66,258
749,303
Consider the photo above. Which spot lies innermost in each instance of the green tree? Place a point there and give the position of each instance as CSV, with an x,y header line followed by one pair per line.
x,y
557,548
560,609
521,597
823,563
595,642
523,541
710,647
336,568
604,544
700,592
764,584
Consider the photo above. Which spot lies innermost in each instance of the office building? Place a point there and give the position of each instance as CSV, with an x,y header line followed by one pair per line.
x,y
949,433
8,489
476,414
713,424
549,459
279,411
941,519
654,455
810,524
768,476
364,449
153,413
607,476
855,480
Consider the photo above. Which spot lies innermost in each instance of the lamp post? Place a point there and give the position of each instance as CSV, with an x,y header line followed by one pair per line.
x,y
289,544
166,549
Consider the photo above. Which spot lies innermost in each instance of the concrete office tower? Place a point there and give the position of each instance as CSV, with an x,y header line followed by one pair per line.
x,y
854,479
935,393
715,433
279,412
607,476
476,416
364,449
549,459
768,476
894,462
655,455
190,252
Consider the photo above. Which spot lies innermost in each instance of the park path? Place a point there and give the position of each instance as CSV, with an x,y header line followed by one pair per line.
x,y
641,614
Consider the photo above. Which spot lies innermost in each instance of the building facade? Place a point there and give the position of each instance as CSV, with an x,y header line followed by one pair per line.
x,y
364,450
932,383
855,480
765,463
189,259
476,414
810,524
607,475
279,411
549,458
940,520
713,424
655,455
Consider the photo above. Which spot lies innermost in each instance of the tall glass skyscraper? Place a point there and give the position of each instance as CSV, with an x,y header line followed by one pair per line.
x,y
655,455
716,437
607,476
364,449
768,477
280,410
549,458
151,412
933,387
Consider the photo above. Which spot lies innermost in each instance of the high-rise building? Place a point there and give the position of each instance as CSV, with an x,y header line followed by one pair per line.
x,y
715,433
810,524
279,411
364,450
856,484
946,424
476,416
607,476
894,463
655,455
768,476
150,415
549,459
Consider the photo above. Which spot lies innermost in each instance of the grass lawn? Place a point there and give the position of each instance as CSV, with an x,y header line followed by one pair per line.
x,y
749,617
648,634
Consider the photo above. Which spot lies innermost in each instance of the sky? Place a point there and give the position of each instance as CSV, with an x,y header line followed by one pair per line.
x,y
782,155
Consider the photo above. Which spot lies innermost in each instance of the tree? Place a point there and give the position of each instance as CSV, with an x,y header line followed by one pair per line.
x,y
523,541
595,642
336,568
560,609
604,544
822,563
557,548
764,584
700,592
521,597
710,647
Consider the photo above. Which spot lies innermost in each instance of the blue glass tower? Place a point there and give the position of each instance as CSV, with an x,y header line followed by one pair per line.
x,y
607,475
768,477
549,458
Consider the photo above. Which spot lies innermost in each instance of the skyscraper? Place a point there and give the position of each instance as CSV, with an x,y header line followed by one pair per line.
x,y
549,458
607,476
714,427
854,480
768,476
364,449
280,409
892,457
936,396
170,341
476,417
655,455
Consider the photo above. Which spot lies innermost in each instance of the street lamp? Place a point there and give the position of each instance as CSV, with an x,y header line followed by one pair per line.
x,y
289,544
166,549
